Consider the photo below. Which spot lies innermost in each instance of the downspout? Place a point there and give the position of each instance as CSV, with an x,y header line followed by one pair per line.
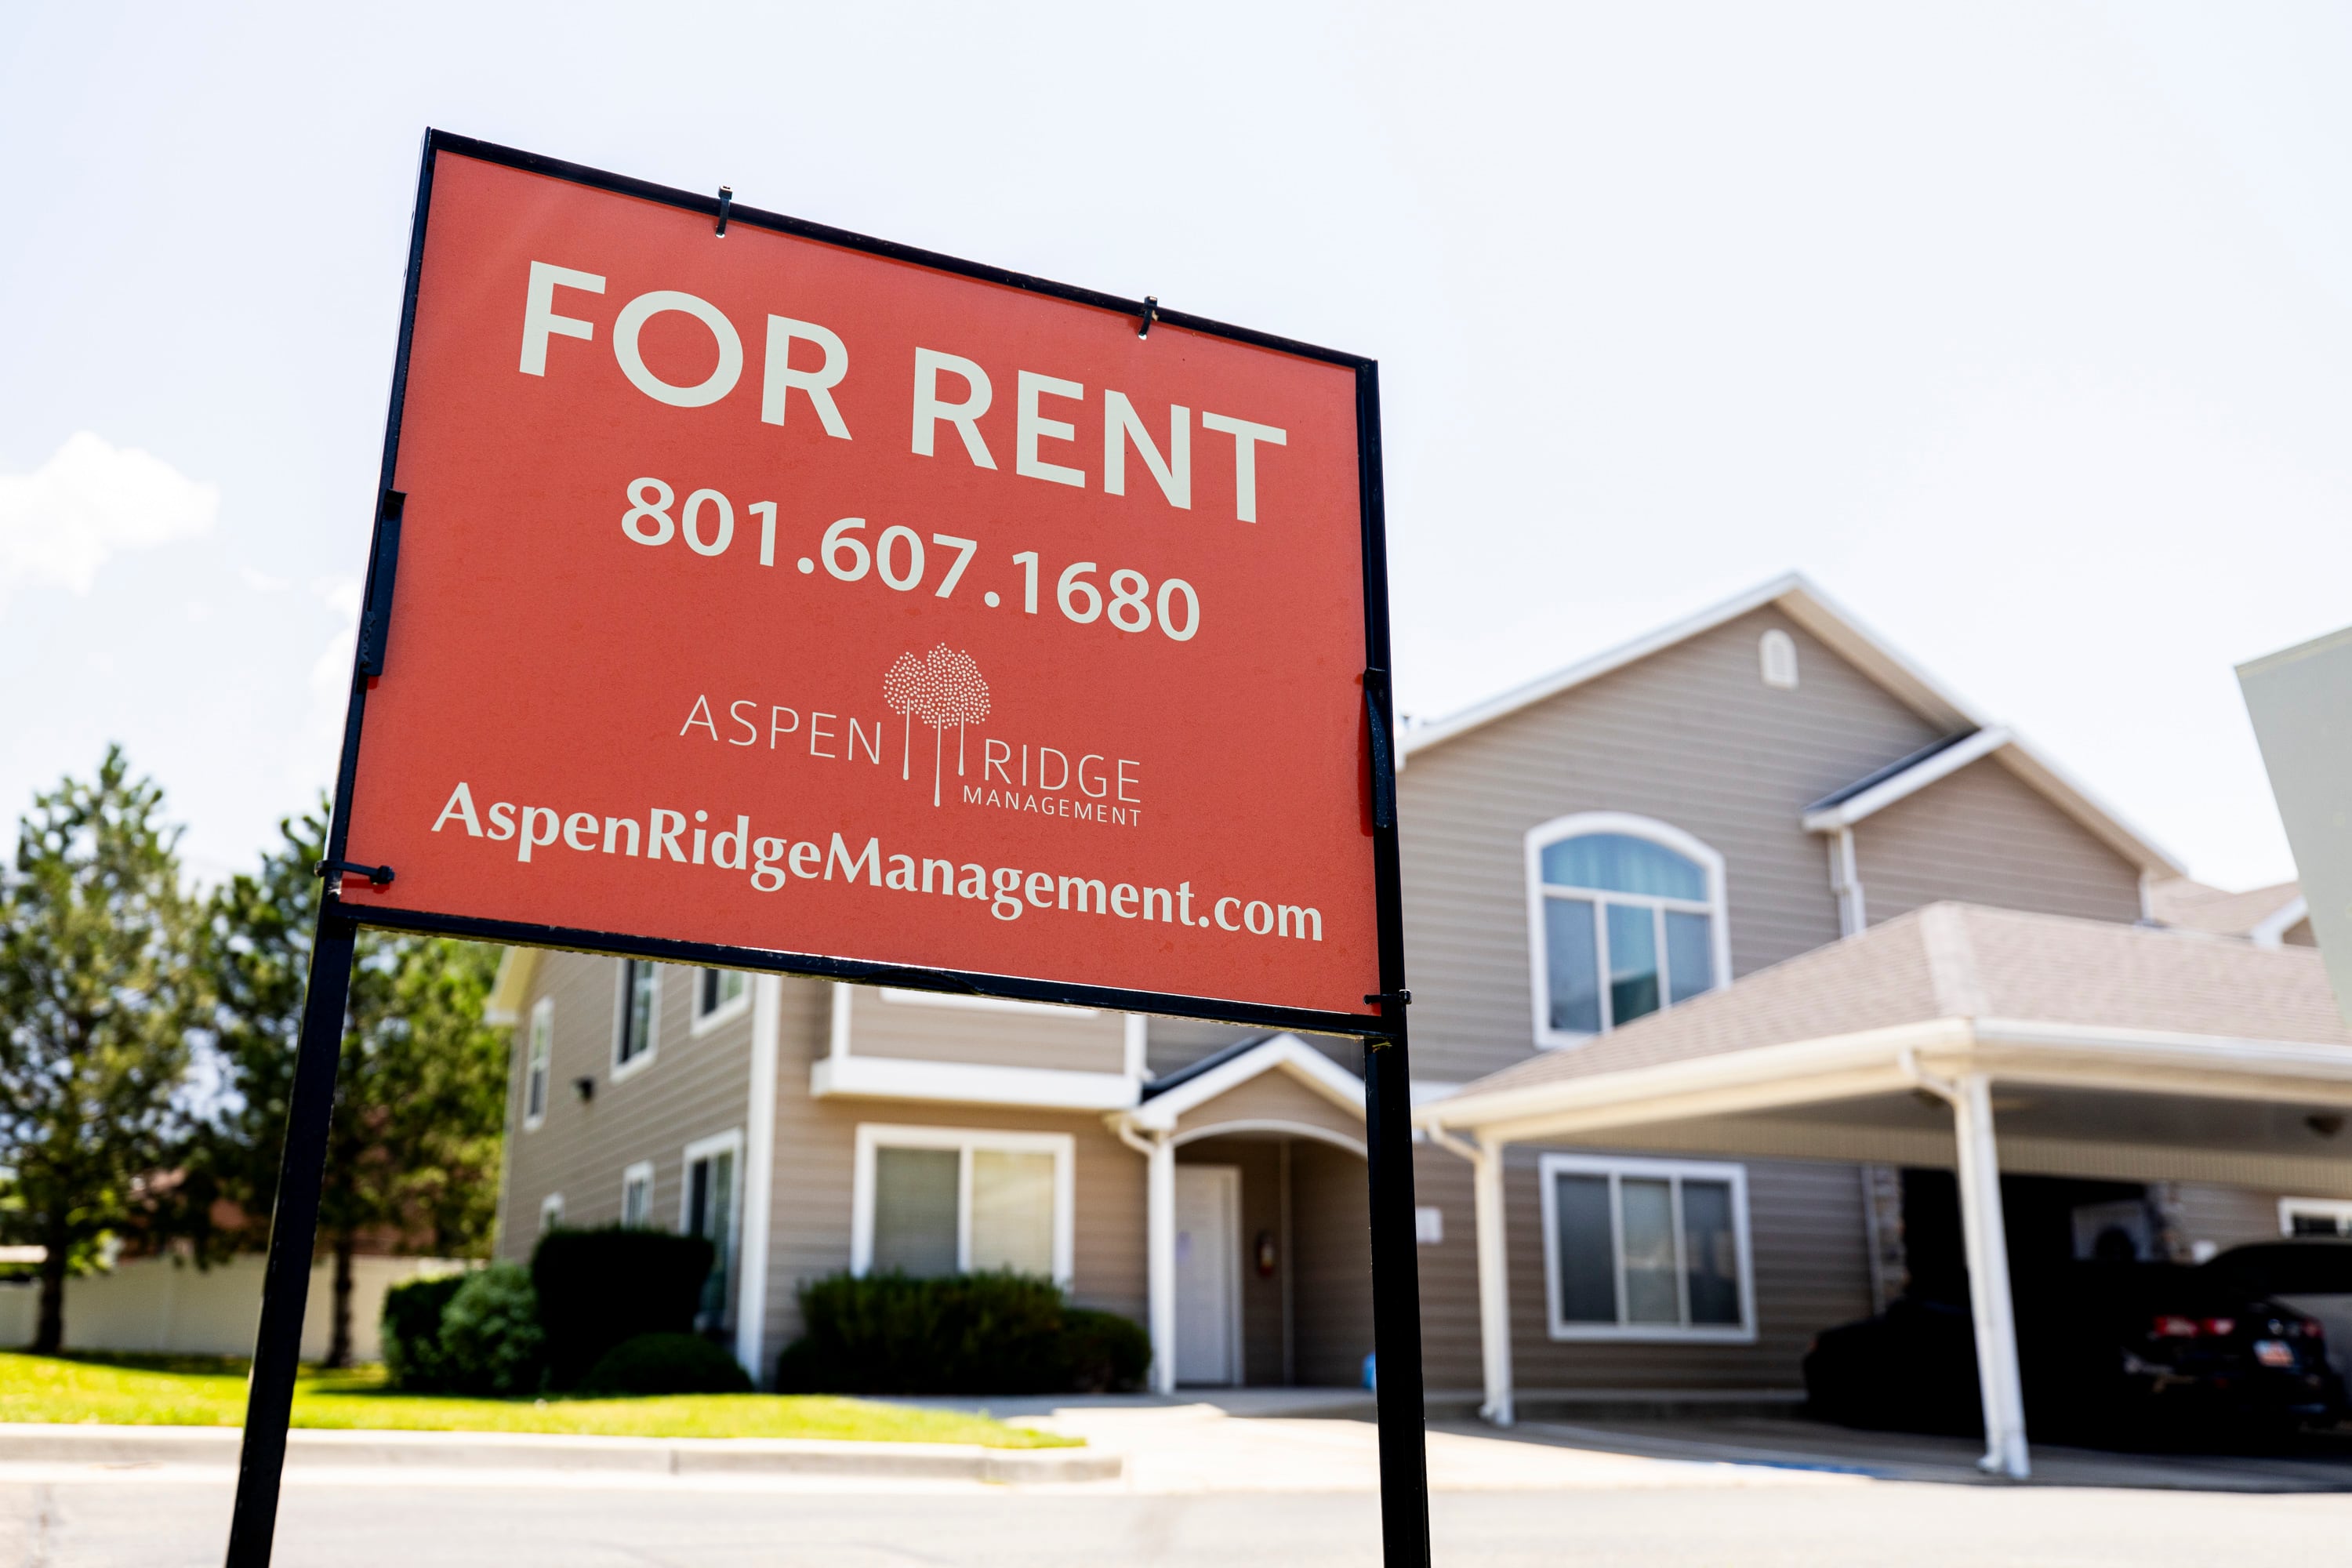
x,y
1845,884
1493,1269
1985,1240
1159,1247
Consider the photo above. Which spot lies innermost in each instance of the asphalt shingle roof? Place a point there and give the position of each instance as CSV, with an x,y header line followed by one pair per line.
x,y
1967,961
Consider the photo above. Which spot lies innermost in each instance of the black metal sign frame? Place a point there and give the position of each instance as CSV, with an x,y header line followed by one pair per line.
x,y
1387,1097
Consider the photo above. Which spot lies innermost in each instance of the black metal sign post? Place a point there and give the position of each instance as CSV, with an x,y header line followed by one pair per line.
x,y
293,1234
1388,1088
1396,1305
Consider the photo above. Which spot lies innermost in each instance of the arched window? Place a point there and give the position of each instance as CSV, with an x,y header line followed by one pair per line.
x,y
1776,652
1625,917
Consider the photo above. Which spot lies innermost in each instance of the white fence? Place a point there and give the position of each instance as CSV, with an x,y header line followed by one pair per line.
x,y
162,1305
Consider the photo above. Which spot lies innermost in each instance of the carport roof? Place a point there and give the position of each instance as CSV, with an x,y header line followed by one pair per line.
x,y
1958,964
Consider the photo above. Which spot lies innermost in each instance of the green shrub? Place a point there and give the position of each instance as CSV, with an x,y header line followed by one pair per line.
x,y
971,1334
665,1364
491,1343
412,1333
599,1288
1105,1353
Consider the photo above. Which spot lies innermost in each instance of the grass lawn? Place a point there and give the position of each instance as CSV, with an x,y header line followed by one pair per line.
x,y
209,1391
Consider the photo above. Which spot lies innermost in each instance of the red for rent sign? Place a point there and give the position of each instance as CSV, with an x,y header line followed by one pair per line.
x,y
777,596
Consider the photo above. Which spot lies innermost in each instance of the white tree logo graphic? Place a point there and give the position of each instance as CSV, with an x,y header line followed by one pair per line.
x,y
941,688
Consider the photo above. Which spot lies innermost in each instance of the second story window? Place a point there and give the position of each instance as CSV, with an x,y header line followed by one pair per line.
x,y
1626,917
634,1040
719,994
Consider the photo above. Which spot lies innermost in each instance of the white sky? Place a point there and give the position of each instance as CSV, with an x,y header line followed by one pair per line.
x,y
2023,329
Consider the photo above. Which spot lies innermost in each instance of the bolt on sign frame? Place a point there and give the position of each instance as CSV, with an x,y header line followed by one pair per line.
x,y
685,572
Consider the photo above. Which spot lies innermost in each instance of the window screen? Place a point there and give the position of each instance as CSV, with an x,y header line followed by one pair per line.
x,y
1587,1250
1013,1211
915,1210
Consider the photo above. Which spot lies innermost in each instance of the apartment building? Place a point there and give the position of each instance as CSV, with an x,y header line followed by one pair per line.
x,y
1645,838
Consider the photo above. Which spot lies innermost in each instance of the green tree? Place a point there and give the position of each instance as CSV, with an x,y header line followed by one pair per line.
x,y
98,1000
420,1091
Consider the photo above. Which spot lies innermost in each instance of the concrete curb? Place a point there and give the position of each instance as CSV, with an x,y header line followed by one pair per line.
x,y
97,1444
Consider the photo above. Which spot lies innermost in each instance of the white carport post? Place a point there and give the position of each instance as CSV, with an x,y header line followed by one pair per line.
x,y
1494,1282
1162,1200
1486,1157
1985,1238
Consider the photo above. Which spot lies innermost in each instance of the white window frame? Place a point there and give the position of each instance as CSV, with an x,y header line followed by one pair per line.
x,y
537,1059
731,1140
644,1059
873,1136
2336,1209
732,1008
900,996
631,1175
703,1149
550,1212
1667,836
1554,1166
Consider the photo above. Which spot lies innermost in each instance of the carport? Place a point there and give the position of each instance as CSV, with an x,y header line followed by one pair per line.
x,y
1960,1037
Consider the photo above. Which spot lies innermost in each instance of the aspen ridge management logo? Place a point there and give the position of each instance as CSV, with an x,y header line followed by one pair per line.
x,y
942,688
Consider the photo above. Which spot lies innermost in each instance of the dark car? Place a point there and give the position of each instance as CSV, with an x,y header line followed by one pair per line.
x,y
2110,1351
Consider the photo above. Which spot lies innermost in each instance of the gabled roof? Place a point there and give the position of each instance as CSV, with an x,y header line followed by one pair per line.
x,y
1164,1100
1809,607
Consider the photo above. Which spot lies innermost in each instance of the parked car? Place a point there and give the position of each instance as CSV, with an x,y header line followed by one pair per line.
x,y
2112,1352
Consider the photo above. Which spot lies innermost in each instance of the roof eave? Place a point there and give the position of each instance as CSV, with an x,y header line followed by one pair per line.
x,y
1884,1060
503,1006
1944,763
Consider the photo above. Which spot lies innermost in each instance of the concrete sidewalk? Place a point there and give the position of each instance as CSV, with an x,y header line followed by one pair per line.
x,y
1302,1440
1158,1447
210,1447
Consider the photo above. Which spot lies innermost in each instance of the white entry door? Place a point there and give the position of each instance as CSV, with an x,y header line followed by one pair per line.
x,y
1208,1274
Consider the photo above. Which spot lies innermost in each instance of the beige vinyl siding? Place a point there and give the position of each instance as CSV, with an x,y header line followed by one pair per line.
x,y
2299,935
694,1086
1332,1280
1273,1096
1690,736
814,1172
1449,1274
1808,1248
2226,1216
1983,836
1175,1043
1811,1272
1071,1040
